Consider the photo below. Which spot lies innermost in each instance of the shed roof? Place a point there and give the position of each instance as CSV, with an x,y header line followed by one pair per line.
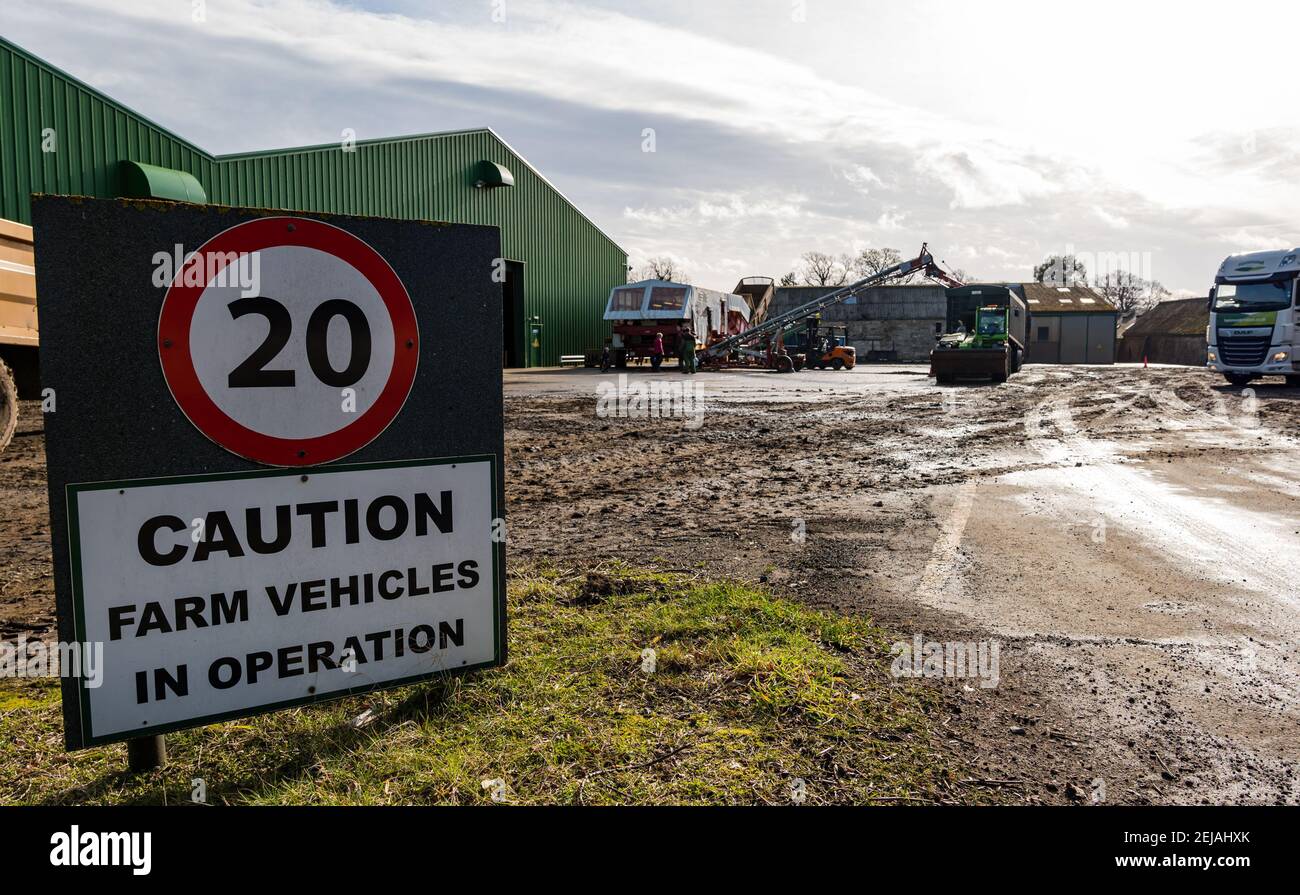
x,y
1044,298
1175,317
59,74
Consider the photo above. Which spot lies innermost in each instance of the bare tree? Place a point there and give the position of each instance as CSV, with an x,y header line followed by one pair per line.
x,y
821,269
1130,293
1061,270
790,279
661,267
870,262
824,269
847,262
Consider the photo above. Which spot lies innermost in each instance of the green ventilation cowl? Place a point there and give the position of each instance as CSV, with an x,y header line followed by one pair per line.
x,y
488,175
141,181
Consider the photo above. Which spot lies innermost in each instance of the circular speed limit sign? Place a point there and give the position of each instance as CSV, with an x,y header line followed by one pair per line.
x,y
288,341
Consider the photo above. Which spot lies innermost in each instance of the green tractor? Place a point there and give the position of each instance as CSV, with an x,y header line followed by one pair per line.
x,y
987,341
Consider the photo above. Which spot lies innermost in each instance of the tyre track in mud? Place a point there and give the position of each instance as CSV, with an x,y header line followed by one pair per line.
x,y
1239,656
912,516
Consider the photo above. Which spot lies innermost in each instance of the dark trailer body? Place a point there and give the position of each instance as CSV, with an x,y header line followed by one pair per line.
x,y
964,302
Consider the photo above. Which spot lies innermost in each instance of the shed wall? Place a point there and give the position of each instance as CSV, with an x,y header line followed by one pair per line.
x,y
58,135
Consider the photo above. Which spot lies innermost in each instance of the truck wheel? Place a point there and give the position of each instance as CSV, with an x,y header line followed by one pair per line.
x,y
8,406
837,364
784,364
1018,361
1238,379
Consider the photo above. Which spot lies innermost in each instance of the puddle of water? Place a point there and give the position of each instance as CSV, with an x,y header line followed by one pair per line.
x,y
1225,541
1228,543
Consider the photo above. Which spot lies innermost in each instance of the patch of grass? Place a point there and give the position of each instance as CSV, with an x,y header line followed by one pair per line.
x,y
749,693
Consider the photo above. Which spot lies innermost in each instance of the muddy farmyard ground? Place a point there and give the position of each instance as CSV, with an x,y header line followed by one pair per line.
x,y
1129,537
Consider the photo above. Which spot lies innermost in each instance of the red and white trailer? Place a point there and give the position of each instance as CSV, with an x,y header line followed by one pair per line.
x,y
639,311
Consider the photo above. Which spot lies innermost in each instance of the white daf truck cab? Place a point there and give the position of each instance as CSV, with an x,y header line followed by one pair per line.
x,y
1253,317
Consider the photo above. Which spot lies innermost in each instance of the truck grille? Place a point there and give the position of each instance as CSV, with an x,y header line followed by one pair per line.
x,y
1243,352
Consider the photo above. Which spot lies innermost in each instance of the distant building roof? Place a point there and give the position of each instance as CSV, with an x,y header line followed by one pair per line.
x,y
1175,317
1046,298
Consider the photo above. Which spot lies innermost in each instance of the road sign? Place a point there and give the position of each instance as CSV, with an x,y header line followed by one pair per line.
x,y
216,596
288,341
215,586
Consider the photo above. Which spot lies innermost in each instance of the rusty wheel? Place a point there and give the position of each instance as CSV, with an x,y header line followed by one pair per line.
x,y
8,406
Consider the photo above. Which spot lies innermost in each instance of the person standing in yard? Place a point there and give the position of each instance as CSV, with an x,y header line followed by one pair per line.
x,y
657,351
688,351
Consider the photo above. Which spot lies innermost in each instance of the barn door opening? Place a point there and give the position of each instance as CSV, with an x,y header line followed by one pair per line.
x,y
512,315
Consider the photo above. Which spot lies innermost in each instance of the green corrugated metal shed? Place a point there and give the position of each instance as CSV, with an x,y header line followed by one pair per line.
x,y
569,265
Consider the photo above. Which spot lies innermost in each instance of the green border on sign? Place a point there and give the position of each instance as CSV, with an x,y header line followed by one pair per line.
x,y
79,609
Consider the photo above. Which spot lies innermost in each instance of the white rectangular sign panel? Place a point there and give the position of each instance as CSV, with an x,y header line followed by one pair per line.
x,y
221,596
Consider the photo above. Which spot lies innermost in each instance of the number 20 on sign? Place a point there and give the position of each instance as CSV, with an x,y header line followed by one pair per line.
x,y
308,368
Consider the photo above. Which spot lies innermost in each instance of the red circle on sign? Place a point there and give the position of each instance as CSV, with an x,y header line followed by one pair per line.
x,y
198,406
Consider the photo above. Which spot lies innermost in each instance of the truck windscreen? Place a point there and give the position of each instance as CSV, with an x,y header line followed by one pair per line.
x,y
1233,297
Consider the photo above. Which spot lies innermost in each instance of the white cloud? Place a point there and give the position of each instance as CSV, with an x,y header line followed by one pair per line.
x,y
813,147
591,56
1249,240
718,208
890,219
862,178
1110,220
984,177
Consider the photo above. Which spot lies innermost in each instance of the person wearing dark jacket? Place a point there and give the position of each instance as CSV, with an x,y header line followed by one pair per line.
x,y
688,351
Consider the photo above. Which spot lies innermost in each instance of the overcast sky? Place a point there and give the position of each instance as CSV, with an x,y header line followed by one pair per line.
x,y
998,131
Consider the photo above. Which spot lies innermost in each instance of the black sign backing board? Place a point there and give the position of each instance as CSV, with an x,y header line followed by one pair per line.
x,y
115,418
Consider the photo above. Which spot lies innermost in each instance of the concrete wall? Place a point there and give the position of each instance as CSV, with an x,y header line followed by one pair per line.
x,y
888,323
